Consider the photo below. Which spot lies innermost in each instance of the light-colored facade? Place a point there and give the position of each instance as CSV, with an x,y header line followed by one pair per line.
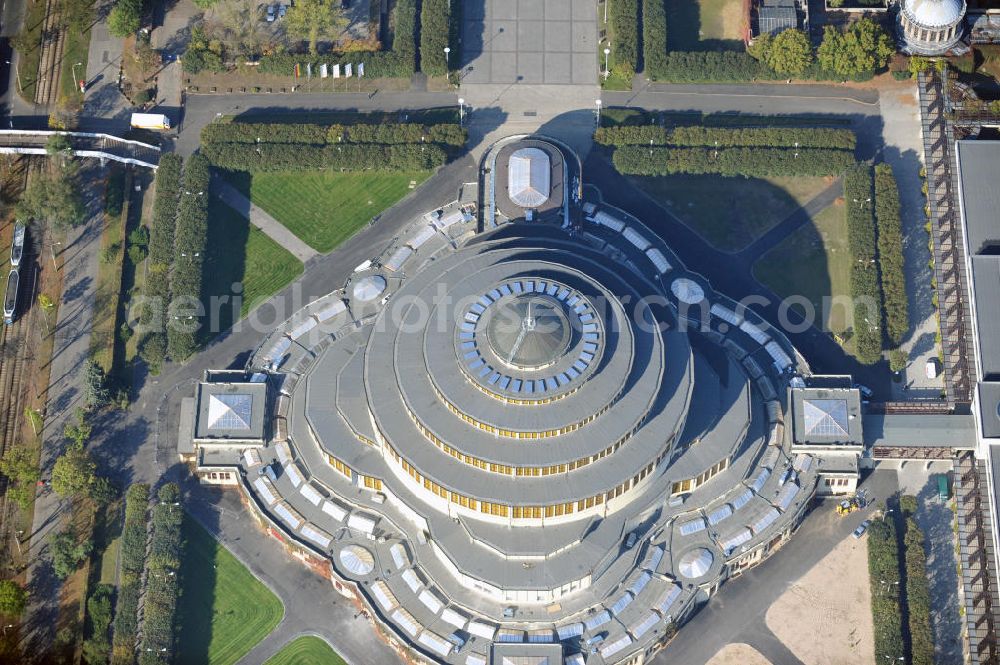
x,y
511,451
931,27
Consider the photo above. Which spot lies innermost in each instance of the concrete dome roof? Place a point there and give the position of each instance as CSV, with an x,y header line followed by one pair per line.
x,y
529,331
696,563
934,13
369,287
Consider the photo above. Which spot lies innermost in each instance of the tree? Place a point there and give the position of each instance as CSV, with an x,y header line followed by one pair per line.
x,y
312,19
73,474
125,18
58,144
54,198
96,393
67,553
20,465
12,598
897,359
861,48
761,46
789,52
80,432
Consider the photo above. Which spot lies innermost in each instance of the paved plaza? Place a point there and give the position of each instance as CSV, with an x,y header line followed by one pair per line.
x,y
530,41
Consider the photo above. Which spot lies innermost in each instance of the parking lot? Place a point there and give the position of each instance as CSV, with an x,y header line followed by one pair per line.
x,y
530,41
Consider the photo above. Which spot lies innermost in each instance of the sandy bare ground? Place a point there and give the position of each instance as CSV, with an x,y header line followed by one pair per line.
x,y
738,654
825,617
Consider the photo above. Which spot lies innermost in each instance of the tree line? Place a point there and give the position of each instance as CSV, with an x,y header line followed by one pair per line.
x,y
435,31
265,157
623,16
318,134
752,162
865,288
132,558
883,571
724,137
163,565
890,255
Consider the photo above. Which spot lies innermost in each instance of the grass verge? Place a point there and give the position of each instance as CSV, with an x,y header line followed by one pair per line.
x,y
324,208
30,56
704,25
109,281
814,263
224,609
730,213
306,650
240,253
76,49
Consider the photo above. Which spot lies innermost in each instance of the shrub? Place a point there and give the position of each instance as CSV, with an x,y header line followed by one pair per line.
x,y
314,134
114,193
153,314
654,38
623,15
890,255
861,48
132,559
125,17
864,272
802,137
918,597
348,157
190,238
712,66
883,569
162,582
752,162
435,22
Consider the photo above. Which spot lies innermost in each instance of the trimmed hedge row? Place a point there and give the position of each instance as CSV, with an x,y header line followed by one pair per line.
x,y
386,133
624,18
883,571
257,158
397,62
890,255
717,66
864,273
654,38
189,251
752,162
132,556
435,24
803,137
156,292
918,596
162,583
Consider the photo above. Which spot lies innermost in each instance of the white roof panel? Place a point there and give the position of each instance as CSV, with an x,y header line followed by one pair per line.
x,y
412,579
311,495
659,260
667,598
636,238
787,495
435,643
302,328
645,625
316,535
621,603
597,620
284,452
481,629
735,539
399,556
385,598
765,520
398,258
288,515
611,648
294,475
692,526
334,510
430,600
405,620
361,522
266,491
420,237
454,617
606,220
755,333
719,514
331,311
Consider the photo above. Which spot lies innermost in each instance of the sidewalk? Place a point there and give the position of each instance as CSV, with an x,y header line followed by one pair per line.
x,y
103,103
79,254
263,221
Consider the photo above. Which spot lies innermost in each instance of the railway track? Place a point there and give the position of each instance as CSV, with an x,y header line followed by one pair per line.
x,y
53,41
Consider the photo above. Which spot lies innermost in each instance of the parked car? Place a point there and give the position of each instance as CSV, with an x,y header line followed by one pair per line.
x,y
282,10
860,531
270,14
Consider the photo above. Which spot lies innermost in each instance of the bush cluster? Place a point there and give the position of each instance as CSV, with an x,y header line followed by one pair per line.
x,y
132,559
751,162
802,137
624,18
314,134
263,157
190,240
435,23
153,347
890,255
918,596
654,38
162,579
864,273
97,648
717,66
397,62
883,569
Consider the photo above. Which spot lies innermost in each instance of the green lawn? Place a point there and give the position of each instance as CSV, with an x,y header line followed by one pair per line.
x,y
306,650
617,115
814,262
730,213
223,610
76,49
325,208
704,25
240,253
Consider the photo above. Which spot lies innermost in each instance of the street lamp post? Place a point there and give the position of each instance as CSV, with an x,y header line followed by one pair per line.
x,y
607,68
447,58
598,102
82,85
461,111
606,11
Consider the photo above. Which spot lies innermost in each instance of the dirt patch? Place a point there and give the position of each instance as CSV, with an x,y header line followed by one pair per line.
x,y
825,617
738,654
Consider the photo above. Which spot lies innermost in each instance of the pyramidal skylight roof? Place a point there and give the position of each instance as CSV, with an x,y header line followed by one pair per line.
x,y
826,417
229,411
